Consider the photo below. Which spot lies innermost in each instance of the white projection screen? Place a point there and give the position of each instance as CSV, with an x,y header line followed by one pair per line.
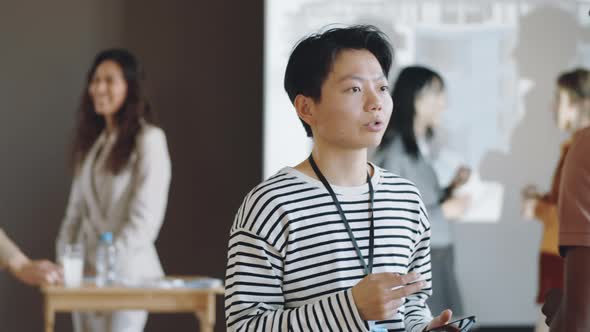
x,y
499,60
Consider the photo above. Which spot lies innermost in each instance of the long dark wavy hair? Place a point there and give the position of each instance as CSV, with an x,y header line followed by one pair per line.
x,y
128,120
410,82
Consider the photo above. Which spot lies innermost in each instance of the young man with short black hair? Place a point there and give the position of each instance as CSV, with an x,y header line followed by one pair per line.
x,y
334,243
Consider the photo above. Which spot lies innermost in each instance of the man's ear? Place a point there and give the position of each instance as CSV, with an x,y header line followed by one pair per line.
x,y
304,107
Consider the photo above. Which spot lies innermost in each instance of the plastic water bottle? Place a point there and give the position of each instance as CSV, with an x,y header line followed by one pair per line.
x,y
106,261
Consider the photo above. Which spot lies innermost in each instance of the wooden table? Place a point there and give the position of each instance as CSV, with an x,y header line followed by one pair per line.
x,y
201,302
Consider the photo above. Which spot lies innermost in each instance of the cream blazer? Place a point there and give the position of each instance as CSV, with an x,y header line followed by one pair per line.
x,y
7,249
133,211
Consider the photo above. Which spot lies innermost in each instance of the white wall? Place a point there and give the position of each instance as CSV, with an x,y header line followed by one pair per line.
x,y
500,59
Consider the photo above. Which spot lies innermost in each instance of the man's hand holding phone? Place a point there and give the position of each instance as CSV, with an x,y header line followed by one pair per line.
x,y
460,325
379,295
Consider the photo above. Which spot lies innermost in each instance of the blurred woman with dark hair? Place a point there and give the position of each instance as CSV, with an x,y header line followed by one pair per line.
x,y
418,100
121,179
572,113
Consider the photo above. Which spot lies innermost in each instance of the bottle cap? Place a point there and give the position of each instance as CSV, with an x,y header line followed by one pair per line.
x,y
106,237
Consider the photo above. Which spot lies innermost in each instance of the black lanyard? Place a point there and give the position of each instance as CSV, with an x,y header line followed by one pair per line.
x,y
367,267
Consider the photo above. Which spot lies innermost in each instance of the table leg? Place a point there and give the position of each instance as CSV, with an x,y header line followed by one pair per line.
x,y
207,317
49,318
204,324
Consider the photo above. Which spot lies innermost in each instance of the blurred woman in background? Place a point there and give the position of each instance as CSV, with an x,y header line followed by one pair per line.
x,y
572,113
418,100
121,181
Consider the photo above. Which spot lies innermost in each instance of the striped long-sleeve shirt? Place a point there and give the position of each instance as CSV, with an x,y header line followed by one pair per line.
x,y
291,264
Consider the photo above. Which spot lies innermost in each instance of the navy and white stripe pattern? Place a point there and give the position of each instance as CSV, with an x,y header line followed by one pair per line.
x,y
291,264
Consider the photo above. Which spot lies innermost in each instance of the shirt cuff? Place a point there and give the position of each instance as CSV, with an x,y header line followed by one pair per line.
x,y
7,250
356,316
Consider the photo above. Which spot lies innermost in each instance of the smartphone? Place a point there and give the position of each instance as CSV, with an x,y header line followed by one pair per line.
x,y
460,325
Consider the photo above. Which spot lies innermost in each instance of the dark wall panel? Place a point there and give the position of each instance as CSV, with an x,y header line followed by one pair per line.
x,y
204,62
204,76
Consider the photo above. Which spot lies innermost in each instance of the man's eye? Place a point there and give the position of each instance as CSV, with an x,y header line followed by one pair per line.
x,y
355,89
385,88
